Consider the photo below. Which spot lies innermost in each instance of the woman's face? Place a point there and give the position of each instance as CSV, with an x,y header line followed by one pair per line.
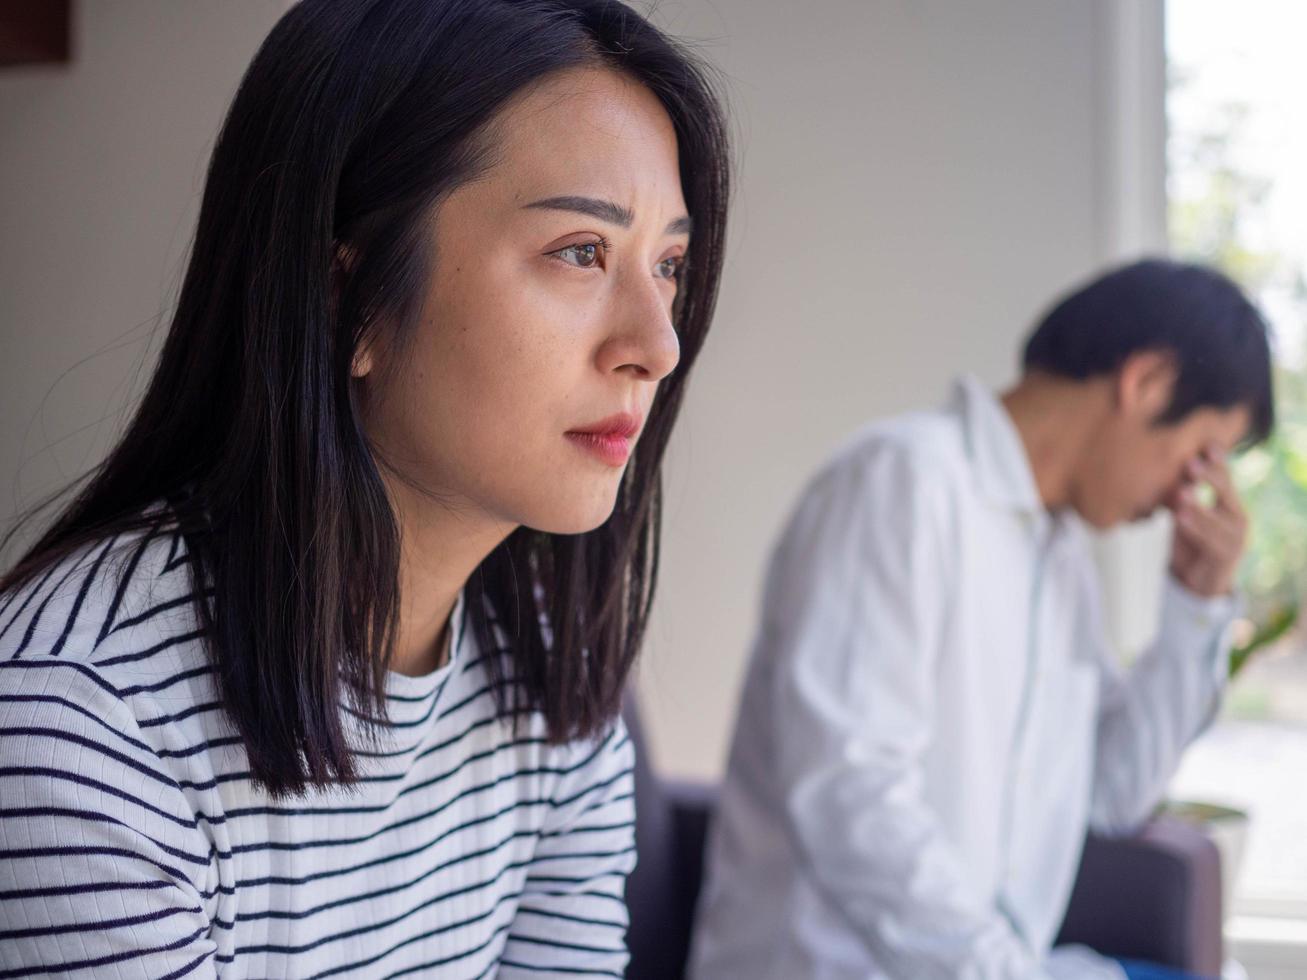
x,y
546,323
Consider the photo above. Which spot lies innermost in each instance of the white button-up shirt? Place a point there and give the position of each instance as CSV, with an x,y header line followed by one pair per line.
x,y
932,719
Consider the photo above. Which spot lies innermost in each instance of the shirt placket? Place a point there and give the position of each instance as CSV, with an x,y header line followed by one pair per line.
x,y
1014,789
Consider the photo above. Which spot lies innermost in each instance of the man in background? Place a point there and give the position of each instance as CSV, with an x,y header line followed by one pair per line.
x,y
932,718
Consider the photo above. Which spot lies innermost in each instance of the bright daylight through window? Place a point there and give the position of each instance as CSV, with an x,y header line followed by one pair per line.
x,y
1237,191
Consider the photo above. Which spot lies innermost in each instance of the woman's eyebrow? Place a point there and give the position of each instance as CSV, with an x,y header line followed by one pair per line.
x,y
613,214
607,211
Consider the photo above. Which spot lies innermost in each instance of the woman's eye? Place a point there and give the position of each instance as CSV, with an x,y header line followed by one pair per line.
x,y
583,256
671,268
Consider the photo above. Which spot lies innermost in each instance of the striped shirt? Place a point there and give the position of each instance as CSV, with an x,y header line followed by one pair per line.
x,y
133,842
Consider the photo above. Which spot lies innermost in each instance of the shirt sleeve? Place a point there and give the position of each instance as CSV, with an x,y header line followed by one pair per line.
x,y
98,850
571,918
1150,713
856,595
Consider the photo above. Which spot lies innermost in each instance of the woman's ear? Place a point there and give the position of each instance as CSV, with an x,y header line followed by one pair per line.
x,y
361,366
342,264
1145,383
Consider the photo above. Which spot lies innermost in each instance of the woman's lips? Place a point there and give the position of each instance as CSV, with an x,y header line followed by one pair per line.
x,y
609,440
612,449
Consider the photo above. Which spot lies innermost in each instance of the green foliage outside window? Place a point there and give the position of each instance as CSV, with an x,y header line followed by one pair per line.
x,y
1215,203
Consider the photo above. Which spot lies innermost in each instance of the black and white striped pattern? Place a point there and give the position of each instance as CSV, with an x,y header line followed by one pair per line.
x,y
133,844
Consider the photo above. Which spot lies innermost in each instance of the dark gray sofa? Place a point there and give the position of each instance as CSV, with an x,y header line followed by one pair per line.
x,y
1153,896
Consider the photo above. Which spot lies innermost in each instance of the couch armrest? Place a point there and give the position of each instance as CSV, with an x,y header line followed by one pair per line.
x,y
693,804
1155,895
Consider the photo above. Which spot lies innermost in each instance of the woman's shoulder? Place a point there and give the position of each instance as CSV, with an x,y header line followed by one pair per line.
x,y
88,748
109,607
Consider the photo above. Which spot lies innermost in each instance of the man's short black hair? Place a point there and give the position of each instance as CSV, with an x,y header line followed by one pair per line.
x,y
1217,336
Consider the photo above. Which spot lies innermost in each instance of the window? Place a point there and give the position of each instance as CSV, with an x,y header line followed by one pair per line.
x,y
1237,199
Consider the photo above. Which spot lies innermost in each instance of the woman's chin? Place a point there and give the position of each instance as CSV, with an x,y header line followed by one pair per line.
x,y
574,519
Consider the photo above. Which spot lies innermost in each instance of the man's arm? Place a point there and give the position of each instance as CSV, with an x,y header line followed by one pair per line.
x,y
856,595
1150,714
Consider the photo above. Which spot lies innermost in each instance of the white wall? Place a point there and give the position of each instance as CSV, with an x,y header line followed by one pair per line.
x,y
917,177
101,167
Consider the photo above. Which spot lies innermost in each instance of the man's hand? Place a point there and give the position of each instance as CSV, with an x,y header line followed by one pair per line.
x,y
1208,541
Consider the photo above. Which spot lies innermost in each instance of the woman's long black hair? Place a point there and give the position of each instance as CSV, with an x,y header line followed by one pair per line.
x,y
352,122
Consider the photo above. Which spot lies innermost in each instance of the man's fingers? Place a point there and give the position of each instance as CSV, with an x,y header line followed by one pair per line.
x,y
1213,468
1211,529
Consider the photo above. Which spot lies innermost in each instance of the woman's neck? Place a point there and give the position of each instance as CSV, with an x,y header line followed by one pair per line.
x,y
440,547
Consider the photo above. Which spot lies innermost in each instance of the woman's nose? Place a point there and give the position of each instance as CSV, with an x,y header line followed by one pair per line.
x,y
643,339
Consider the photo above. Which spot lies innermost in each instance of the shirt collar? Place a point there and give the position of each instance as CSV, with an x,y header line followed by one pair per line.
x,y
998,456
409,695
